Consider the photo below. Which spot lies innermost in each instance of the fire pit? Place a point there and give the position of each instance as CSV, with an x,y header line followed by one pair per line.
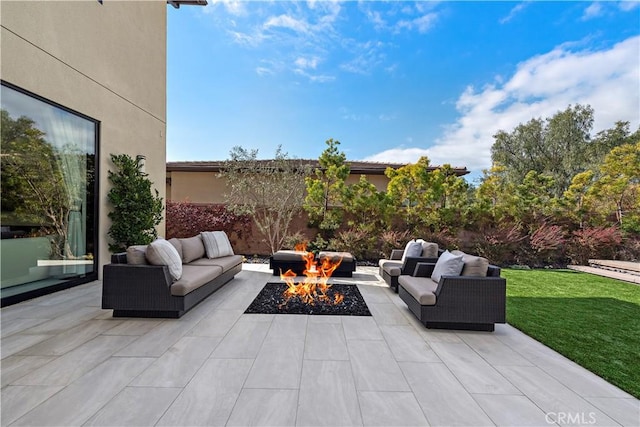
x,y
272,300
313,295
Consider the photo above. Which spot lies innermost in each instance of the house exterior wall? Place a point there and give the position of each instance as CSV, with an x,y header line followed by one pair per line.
x,y
207,187
107,61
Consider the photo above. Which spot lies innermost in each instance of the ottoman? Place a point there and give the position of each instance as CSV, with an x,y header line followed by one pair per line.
x,y
285,260
346,267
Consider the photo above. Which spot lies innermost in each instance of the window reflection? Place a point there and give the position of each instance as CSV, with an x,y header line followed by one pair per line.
x,y
48,187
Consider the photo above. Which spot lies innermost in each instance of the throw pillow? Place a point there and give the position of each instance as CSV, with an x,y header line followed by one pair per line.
x,y
176,244
216,244
448,265
192,249
161,252
412,249
429,249
136,255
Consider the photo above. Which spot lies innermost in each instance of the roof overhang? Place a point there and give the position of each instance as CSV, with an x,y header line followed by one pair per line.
x,y
178,3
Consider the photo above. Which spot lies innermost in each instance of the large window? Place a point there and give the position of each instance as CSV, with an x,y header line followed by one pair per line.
x,y
49,214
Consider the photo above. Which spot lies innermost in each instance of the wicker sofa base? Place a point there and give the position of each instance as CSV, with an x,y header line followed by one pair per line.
x,y
152,297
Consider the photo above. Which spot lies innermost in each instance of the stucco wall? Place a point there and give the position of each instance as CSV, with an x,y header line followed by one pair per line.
x,y
107,61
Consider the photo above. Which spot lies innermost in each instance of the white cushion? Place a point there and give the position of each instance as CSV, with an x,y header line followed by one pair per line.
x,y
412,249
216,244
448,265
161,252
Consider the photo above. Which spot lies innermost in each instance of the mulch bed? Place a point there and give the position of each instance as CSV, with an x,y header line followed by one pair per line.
x,y
270,300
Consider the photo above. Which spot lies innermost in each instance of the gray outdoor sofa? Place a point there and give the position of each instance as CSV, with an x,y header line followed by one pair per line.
x,y
474,302
134,288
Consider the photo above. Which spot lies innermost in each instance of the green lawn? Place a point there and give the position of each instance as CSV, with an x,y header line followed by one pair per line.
x,y
592,320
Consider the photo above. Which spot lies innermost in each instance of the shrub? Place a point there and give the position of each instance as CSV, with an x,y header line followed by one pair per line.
x,y
547,244
188,219
391,239
593,242
136,211
359,243
500,245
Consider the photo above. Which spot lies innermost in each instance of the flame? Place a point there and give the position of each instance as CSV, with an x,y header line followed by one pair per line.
x,y
314,286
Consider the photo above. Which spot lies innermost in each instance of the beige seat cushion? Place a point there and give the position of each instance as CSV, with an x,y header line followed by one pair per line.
x,y
473,265
225,262
192,249
393,268
421,288
287,255
335,256
193,277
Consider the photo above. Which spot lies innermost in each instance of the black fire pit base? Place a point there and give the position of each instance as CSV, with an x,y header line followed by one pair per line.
x,y
270,299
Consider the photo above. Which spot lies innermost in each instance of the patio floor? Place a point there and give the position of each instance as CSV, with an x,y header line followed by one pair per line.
x,y
67,362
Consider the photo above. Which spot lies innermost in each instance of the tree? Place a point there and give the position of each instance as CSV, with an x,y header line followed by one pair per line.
x,y
369,208
270,191
326,192
617,189
136,211
559,147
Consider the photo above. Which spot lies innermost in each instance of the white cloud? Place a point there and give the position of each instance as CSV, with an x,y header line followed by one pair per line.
x,y
541,86
306,63
515,11
592,11
628,5
289,22
233,7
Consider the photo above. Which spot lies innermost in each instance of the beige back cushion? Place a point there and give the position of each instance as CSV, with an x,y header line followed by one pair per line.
x,y
473,265
136,255
192,249
176,243
429,249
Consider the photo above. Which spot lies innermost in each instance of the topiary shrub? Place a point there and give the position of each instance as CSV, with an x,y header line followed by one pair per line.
x,y
136,211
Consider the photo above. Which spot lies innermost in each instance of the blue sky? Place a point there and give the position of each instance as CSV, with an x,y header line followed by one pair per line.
x,y
392,81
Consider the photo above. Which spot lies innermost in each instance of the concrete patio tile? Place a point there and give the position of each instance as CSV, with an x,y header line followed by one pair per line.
x,y
443,400
328,395
210,397
624,411
374,367
178,365
324,319
259,407
155,342
134,327
375,294
16,343
437,335
552,396
387,314
18,400
512,411
288,326
67,341
65,318
257,317
243,341
278,364
94,390
325,341
491,349
238,300
66,369
473,372
390,408
16,367
216,324
407,345
135,406
360,328
10,327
